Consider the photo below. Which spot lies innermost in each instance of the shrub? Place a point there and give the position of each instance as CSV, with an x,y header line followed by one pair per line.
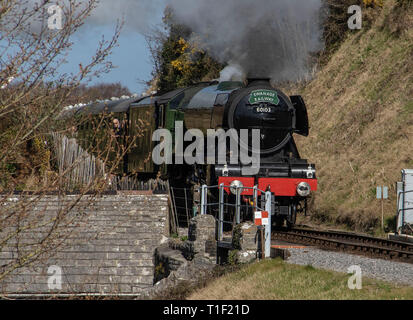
x,y
233,257
373,3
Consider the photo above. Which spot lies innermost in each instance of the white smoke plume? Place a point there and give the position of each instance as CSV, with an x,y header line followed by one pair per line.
x,y
232,72
265,38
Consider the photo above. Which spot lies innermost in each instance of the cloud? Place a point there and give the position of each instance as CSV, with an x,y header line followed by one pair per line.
x,y
138,15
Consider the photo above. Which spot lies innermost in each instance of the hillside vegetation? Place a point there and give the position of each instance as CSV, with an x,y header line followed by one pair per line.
x,y
361,117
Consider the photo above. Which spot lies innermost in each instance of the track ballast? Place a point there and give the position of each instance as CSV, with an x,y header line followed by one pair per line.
x,y
348,242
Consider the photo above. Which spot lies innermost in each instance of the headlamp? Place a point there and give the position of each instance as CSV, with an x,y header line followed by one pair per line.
x,y
303,189
236,184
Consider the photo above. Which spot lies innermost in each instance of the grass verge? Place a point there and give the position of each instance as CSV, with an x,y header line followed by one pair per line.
x,y
277,280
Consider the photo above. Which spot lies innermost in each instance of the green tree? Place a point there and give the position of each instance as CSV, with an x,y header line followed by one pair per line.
x,y
179,59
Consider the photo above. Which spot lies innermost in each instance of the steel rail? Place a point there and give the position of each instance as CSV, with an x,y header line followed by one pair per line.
x,y
349,242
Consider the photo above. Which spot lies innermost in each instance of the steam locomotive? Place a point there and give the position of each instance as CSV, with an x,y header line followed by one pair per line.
x,y
216,105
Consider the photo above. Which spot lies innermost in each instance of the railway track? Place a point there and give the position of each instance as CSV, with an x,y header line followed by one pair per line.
x,y
348,242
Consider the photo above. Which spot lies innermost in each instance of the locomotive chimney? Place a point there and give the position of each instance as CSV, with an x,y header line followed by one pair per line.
x,y
255,81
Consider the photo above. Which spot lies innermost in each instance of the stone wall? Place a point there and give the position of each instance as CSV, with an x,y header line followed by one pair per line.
x,y
189,261
201,235
166,261
247,241
101,245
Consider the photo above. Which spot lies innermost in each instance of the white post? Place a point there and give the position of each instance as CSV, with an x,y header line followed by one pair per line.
x,y
255,197
268,200
238,207
221,213
204,194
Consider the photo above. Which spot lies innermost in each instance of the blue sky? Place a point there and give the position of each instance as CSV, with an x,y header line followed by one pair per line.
x,y
131,56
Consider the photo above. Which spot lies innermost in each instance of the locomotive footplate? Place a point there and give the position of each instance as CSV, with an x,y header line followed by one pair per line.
x,y
276,170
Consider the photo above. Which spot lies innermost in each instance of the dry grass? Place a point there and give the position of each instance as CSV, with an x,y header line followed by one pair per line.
x,y
277,280
361,117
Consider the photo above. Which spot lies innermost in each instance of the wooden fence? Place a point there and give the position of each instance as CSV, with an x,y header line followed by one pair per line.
x,y
76,166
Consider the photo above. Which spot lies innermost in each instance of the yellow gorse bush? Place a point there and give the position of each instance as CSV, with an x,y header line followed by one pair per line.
x,y
372,3
183,45
177,64
186,51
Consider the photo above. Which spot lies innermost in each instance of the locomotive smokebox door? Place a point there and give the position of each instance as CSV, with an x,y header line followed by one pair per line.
x,y
260,106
